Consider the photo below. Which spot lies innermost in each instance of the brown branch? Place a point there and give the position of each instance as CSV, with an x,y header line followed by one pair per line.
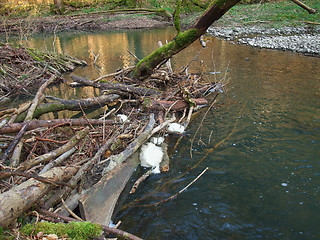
x,y
15,127
15,141
181,191
5,174
140,91
304,6
55,153
175,105
140,180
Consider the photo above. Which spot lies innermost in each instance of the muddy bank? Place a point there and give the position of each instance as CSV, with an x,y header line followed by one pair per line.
x,y
86,22
297,39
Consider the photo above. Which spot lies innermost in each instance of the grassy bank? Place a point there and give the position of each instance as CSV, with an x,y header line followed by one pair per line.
x,y
279,14
270,13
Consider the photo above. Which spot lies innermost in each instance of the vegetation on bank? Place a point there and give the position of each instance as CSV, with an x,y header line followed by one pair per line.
x,y
72,230
276,13
284,13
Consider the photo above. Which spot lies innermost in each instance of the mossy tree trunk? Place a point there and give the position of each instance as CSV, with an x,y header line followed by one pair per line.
x,y
59,6
145,66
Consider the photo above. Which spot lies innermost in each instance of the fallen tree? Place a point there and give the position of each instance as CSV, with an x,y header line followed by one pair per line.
x,y
20,198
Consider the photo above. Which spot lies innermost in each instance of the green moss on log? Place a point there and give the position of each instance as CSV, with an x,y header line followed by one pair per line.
x,y
145,67
74,230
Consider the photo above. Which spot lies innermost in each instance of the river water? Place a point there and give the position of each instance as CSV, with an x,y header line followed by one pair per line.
x,y
261,142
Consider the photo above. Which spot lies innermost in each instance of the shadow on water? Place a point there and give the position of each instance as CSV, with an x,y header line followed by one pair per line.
x,y
263,180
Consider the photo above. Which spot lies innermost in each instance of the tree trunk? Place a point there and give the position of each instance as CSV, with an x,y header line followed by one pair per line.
x,y
145,67
59,6
20,198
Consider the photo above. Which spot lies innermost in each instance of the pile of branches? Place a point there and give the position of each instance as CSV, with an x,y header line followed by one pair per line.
x,y
22,68
45,162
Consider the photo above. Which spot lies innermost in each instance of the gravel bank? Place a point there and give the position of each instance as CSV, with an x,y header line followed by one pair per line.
x,y
298,39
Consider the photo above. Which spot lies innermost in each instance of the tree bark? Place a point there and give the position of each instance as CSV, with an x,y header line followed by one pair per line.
x,y
304,6
175,105
145,66
59,6
20,198
73,105
15,127
126,89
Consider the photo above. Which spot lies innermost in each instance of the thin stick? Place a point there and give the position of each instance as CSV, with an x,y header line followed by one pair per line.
x,y
133,55
181,191
205,115
69,211
140,180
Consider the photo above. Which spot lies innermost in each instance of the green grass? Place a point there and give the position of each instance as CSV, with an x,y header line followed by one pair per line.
x,y
279,14
73,230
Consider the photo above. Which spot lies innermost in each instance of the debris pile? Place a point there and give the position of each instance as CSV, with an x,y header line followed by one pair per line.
x,y
67,164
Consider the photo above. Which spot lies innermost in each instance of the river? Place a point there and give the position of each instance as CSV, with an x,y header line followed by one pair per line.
x,y
261,142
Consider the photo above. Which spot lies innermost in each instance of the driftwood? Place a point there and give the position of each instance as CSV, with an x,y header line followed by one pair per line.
x,y
20,198
98,204
37,98
15,127
116,86
133,146
175,105
140,180
304,6
15,141
29,115
55,153
77,177
73,105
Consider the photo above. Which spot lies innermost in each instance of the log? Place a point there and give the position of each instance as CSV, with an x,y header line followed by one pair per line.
x,y
37,98
98,204
304,6
73,105
140,91
74,180
19,199
15,127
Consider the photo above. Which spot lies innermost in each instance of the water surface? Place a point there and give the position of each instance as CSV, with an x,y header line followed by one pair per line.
x,y
263,180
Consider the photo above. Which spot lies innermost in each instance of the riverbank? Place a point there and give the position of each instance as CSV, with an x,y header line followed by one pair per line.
x,y
281,26
304,40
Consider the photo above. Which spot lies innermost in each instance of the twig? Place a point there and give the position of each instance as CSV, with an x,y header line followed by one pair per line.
x,y
113,74
133,55
14,143
5,174
204,116
69,211
181,191
57,161
140,180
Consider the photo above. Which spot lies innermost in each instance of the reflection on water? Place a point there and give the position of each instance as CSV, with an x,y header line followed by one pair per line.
x,y
264,179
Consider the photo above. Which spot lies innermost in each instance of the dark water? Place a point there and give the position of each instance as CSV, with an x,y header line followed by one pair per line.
x,y
261,144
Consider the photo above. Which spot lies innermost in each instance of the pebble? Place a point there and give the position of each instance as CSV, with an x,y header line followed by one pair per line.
x,y
296,39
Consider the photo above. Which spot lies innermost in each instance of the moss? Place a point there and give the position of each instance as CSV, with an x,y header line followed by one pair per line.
x,y
187,37
177,16
74,230
36,56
